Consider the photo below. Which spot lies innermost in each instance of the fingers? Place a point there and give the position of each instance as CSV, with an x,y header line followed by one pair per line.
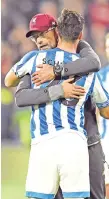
x,y
75,96
78,93
78,90
35,74
69,80
38,83
78,87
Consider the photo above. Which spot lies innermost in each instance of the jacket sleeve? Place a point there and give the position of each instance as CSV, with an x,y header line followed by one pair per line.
x,y
26,96
89,62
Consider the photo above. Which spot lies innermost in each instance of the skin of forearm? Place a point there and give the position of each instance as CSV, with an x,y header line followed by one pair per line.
x,y
11,80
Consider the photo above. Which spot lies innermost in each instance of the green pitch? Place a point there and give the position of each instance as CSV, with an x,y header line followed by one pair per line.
x,y
13,170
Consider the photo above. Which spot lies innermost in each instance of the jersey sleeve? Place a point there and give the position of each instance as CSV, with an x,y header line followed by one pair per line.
x,y
24,66
100,94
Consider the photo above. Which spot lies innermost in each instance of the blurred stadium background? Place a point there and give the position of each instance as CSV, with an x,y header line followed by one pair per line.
x,y
15,16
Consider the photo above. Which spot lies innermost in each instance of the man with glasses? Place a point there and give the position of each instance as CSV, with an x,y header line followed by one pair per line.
x,y
95,138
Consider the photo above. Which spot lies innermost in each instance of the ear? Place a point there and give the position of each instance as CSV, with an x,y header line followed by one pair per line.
x,y
58,36
80,35
56,30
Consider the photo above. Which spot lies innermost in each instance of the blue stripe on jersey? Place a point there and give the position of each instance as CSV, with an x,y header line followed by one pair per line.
x,y
56,104
33,124
103,105
104,129
106,93
33,69
42,115
82,120
42,112
71,117
103,73
81,81
82,108
50,57
68,56
91,87
42,118
56,114
71,111
25,58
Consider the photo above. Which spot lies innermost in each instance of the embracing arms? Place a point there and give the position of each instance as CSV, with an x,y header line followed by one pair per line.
x,y
26,96
89,62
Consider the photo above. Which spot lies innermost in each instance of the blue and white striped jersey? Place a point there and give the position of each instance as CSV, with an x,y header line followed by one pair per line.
x,y
104,123
50,118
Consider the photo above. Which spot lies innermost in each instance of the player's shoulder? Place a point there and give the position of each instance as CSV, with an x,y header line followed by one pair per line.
x,y
47,50
28,56
104,70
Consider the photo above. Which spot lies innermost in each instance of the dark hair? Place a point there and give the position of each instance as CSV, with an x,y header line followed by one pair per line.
x,y
70,25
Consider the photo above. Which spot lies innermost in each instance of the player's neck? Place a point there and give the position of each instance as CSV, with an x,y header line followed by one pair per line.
x,y
67,46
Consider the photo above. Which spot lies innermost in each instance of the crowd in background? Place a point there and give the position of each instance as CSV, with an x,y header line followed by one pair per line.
x,y
15,18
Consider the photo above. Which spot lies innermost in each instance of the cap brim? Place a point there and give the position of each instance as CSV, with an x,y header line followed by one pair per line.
x,y
41,29
28,34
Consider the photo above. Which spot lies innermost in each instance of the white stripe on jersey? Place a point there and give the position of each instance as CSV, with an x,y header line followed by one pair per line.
x,y
39,60
37,122
74,57
26,68
98,92
103,124
59,57
88,83
80,103
49,117
63,111
64,116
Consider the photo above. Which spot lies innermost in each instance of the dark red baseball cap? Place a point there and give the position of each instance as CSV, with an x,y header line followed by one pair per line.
x,y
41,23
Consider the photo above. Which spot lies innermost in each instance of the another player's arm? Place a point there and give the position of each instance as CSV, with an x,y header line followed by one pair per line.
x,y
101,97
104,112
26,96
13,78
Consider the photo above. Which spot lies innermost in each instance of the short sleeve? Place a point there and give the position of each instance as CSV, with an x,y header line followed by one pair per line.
x,y
100,94
24,66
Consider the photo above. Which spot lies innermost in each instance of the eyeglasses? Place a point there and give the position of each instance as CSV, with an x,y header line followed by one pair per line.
x,y
35,36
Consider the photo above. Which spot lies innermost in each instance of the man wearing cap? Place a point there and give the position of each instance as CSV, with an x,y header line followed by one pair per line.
x,y
40,43
45,25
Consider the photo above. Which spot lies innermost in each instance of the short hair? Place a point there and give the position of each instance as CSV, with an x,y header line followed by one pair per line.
x,y
70,25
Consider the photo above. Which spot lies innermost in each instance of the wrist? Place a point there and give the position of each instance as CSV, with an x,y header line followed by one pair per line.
x,y
55,92
52,75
